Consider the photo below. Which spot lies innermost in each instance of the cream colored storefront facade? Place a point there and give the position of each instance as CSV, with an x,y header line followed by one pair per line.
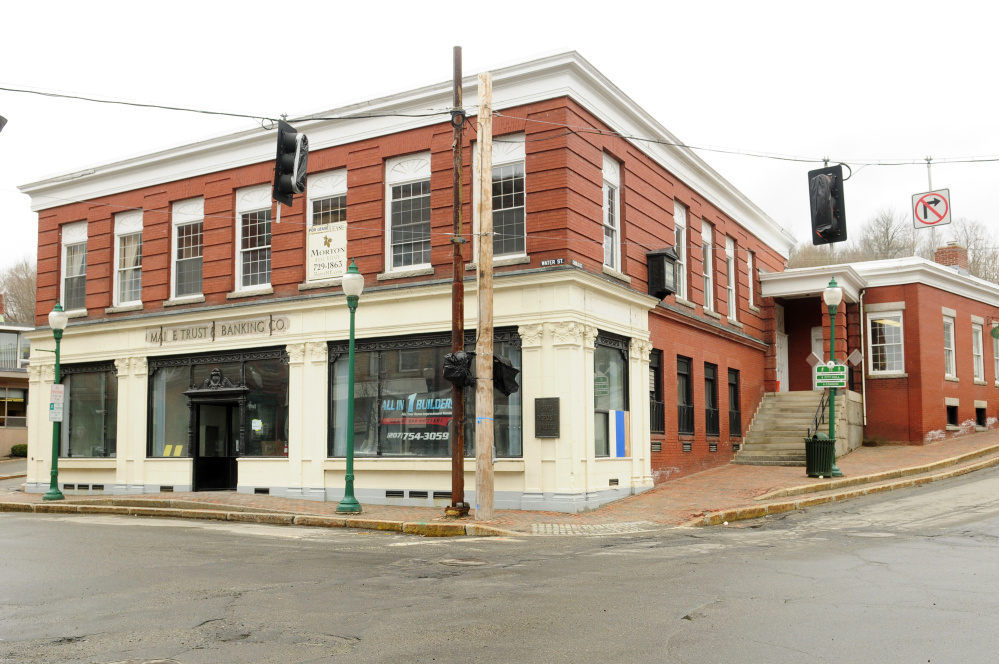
x,y
557,314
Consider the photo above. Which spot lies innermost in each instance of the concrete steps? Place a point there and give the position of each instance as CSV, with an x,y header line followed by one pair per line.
x,y
776,436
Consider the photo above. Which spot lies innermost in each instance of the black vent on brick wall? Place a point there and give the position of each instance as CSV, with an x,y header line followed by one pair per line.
x,y
713,447
657,446
688,446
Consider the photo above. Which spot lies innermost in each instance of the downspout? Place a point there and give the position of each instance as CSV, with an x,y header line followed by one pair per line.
x,y
863,364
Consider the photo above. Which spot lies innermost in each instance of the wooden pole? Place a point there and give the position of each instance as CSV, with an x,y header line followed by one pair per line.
x,y
484,344
458,505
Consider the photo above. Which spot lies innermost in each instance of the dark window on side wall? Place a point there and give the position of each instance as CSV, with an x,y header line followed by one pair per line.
x,y
684,395
711,399
734,409
657,412
610,395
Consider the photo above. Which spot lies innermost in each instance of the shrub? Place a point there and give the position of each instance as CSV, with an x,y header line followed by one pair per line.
x,y
19,450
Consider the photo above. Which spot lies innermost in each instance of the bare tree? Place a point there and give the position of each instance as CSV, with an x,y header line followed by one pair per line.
x,y
888,235
983,255
17,283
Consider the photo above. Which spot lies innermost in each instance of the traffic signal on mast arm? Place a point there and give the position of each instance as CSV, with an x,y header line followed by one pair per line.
x,y
825,193
291,164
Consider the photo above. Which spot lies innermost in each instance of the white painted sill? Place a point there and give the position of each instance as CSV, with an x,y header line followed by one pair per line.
x,y
249,292
881,376
123,308
502,261
611,272
76,313
404,274
952,379
686,303
187,299
712,314
324,283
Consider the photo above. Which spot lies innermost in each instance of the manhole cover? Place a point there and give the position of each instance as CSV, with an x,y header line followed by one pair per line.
x,y
463,562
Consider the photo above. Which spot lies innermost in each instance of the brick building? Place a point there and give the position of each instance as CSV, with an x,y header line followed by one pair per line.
x,y
206,347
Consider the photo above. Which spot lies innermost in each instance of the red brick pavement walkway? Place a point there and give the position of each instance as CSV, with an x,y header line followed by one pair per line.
x,y
669,504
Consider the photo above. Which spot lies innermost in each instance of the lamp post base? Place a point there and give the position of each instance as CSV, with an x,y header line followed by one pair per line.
x,y
836,472
349,505
53,494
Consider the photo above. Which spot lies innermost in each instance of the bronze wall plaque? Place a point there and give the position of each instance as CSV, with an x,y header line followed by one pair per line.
x,y
546,418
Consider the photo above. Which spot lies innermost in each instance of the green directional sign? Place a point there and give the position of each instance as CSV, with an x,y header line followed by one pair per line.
x,y
830,376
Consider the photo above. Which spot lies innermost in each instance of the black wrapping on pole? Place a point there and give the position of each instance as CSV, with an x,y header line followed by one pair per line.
x,y
504,376
459,368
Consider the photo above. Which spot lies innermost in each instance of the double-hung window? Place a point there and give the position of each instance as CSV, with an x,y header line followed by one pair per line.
x,y
707,253
711,426
995,356
253,223
327,198
188,246
407,182
885,342
750,294
732,279
949,363
684,395
978,352
74,266
610,395
680,246
612,213
128,258
509,203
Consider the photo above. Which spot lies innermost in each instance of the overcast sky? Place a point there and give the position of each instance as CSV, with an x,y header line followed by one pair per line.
x,y
854,81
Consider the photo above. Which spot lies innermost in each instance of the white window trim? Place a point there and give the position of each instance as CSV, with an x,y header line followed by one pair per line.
x,y
708,263
732,279
978,351
507,150
752,282
74,233
125,224
680,221
328,184
995,358
612,182
402,170
188,211
249,199
949,352
870,354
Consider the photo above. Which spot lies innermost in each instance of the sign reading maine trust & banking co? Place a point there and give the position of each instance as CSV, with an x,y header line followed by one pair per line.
x,y
327,251
218,330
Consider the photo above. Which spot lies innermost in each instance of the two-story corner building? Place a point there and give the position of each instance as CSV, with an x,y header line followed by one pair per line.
x,y
207,342
14,352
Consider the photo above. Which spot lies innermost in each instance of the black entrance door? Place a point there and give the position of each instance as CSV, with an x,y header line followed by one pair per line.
x,y
217,428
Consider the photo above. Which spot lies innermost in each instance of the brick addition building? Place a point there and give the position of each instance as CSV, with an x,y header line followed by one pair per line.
x,y
207,349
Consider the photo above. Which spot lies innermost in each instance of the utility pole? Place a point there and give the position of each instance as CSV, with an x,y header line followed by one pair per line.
x,y
484,344
458,505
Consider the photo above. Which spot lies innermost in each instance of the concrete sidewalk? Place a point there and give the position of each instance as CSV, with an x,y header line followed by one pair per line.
x,y
711,497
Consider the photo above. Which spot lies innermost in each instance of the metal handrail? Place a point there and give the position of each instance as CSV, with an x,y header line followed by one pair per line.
x,y
820,414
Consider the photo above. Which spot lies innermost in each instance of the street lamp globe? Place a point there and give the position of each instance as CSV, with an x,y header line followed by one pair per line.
x,y
832,295
353,281
58,318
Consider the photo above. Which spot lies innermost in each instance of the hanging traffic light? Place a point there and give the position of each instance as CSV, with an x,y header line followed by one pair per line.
x,y
291,164
825,193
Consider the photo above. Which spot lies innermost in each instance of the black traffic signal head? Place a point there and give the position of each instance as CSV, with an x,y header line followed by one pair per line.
x,y
291,164
825,193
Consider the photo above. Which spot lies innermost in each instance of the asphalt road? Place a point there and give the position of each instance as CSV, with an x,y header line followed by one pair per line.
x,y
903,577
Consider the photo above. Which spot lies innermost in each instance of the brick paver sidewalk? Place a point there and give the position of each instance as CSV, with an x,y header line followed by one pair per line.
x,y
672,503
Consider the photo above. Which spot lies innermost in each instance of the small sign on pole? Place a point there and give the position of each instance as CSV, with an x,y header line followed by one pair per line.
x,y
830,376
55,412
931,209
58,395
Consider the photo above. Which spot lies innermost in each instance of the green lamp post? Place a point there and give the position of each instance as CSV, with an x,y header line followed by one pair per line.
x,y
832,296
353,284
57,321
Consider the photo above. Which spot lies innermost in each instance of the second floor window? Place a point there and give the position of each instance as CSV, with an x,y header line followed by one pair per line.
x,y
408,182
188,245
680,246
74,266
509,195
327,197
128,258
612,213
707,253
733,279
255,248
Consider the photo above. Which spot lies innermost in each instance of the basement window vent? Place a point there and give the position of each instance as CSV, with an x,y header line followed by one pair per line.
x,y
657,446
980,417
166,489
394,493
613,483
261,492
96,487
442,494
736,447
688,446
69,487
951,416
713,447
418,494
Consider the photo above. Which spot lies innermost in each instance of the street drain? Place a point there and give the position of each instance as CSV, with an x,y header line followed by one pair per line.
x,y
463,562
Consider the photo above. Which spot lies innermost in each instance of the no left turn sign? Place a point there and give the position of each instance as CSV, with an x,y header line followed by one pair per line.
x,y
931,209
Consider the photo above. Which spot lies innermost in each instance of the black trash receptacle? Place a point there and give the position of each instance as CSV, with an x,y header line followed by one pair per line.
x,y
820,453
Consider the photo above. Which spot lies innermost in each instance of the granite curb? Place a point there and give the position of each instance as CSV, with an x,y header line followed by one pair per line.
x,y
161,509
756,511
12,477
